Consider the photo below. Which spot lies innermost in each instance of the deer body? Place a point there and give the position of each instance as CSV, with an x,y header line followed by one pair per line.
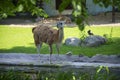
x,y
49,36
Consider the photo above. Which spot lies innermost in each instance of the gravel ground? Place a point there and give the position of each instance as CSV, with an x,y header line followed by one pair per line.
x,y
97,20
44,58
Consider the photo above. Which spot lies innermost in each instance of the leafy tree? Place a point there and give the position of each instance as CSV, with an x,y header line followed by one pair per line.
x,y
79,11
6,8
105,3
10,7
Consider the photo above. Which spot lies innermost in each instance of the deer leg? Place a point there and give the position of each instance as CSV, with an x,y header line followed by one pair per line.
x,y
50,46
37,43
58,48
38,48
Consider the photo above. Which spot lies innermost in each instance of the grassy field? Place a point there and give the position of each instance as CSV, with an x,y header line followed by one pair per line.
x,y
20,40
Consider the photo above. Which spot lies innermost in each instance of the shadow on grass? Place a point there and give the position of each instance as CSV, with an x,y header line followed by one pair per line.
x,y
19,49
108,48
23,49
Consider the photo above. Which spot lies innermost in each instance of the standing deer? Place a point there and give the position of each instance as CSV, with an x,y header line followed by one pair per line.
x,y
49,36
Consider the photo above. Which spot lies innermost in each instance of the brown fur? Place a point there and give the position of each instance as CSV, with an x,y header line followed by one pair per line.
x,y
48,35
45,34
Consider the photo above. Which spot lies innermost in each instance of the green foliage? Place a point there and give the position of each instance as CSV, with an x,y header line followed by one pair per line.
x,y
102,73
106,3
79,11
30,6
11,75
63,5
83,35
109,36
7,8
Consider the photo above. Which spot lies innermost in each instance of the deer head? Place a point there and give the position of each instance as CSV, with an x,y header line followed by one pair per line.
x,y
60,25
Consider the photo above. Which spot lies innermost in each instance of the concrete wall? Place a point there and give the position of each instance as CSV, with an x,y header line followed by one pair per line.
x,y
96,9
93,9
50,8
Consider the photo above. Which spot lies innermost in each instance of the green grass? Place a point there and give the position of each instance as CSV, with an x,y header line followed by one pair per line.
x,y
20,40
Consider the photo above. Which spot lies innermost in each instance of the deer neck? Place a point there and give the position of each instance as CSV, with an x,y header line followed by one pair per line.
x,y
61,35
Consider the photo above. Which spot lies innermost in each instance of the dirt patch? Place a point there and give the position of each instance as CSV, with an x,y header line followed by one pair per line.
x,y
103,19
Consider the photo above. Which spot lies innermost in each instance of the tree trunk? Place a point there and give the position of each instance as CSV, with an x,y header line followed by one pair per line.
x,y
113,14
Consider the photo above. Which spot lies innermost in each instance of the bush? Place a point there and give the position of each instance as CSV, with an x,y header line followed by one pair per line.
x,y
9,8
102,73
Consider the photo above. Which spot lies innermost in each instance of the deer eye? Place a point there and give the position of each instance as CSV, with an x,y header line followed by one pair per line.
x,y
60,23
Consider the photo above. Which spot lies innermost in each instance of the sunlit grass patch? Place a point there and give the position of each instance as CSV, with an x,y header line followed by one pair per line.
x,y
20,40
